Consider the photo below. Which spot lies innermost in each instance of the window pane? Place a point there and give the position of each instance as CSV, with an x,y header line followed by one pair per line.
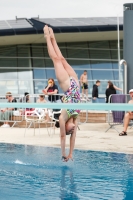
x,y
12,86
48,61
99,45
77,50
90,86
3,86
102,88
81,64
38,62
24,51
8,86
76,45
26,82
115,65
97,55
119,84
114,54
121,44
114,44
8,62
102,75
121,54
8,74
101,65
50,73
24,74
25,86
8,51
62,47
118,75
77,53
39,85
38,51
100,54
39,73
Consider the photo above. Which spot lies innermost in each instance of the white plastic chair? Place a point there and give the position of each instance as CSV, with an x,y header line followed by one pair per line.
x,y
34,117
52,115
54,120
38,117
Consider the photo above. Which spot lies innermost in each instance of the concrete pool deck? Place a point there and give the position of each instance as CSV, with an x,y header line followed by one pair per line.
x,y
91,136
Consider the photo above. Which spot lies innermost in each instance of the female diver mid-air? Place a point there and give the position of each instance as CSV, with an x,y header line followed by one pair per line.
x,y
69,83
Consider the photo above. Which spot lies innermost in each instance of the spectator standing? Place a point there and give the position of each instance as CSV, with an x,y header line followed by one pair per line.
x,y
6,113
95,92
110,90
115,87
84,85
51,90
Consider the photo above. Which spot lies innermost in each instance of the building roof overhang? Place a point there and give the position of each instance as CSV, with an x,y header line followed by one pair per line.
x,y
66,29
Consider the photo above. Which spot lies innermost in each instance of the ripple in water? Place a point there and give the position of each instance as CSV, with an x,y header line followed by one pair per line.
x,y
19,162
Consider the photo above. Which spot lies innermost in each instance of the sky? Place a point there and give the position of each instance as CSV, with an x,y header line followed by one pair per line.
x,y
9,9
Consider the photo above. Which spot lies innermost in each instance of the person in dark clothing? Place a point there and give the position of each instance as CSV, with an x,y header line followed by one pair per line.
x,y
95,91
25,99
51,89
116,88
110,90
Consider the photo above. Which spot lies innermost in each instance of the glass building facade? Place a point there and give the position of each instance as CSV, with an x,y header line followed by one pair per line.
x,y
26,68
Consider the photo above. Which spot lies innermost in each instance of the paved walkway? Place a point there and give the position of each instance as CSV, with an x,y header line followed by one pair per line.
x,y
91,136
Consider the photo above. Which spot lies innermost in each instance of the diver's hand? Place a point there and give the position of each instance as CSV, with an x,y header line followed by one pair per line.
x,y
69,157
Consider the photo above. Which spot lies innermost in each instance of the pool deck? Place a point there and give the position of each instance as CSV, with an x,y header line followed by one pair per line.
x,y
91,136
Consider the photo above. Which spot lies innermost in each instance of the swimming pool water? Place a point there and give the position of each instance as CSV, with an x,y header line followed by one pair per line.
x,y
33,172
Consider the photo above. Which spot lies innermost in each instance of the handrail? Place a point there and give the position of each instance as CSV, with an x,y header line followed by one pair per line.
x,y
48,58
123,62
54,80
43,67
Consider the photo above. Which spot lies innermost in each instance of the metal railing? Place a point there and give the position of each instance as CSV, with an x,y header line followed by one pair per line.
x,y
15,116
83,113
12,115
112,121
19,86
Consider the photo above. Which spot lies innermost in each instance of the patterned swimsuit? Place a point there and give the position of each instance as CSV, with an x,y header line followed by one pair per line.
x,y
72,95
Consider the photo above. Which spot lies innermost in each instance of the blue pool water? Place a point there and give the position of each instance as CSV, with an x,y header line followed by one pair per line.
x,y
30,172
